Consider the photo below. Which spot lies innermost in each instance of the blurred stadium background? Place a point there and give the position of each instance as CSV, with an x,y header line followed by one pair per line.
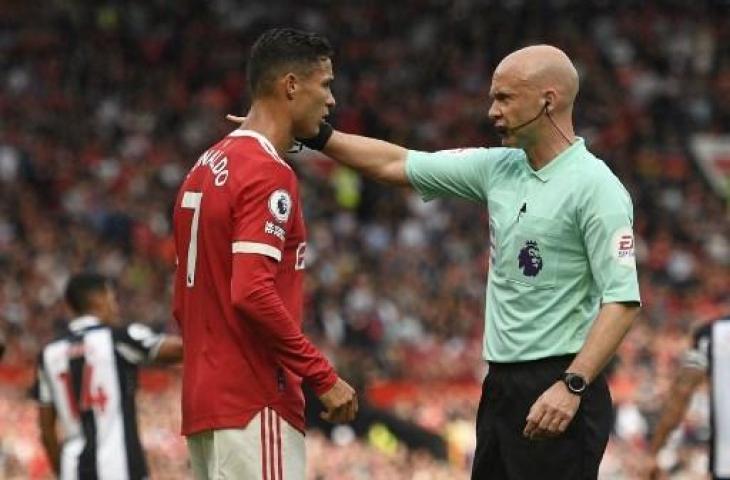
x,y
104,105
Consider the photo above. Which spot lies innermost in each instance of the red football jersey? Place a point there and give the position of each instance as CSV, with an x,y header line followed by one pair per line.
x,y
240,198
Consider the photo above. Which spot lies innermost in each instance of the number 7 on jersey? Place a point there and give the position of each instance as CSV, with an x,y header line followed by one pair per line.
x,y
192,200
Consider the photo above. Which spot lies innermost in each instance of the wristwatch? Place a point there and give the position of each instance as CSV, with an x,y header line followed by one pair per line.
x,y
575,382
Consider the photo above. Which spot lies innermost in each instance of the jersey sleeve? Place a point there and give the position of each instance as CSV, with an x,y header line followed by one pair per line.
x,y
698,355
463,173
254,293
606,221
137,343
263,210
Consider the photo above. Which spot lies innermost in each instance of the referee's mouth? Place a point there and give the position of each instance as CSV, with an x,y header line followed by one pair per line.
x,y
502,130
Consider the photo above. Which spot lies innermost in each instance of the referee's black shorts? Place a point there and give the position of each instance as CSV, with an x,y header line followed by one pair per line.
x,y
502,451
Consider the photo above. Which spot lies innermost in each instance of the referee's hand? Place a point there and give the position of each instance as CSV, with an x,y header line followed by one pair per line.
x,y
340,401
235,118
551,414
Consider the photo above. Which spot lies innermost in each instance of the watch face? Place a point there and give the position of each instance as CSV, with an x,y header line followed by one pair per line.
x,y
576,383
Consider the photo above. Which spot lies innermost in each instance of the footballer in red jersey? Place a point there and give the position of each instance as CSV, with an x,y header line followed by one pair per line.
x,y
240,240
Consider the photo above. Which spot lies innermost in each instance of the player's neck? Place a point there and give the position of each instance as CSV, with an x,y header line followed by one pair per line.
x,y
271,123
95,314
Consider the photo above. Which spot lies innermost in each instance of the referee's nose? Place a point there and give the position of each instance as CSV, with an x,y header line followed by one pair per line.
x,y
493,113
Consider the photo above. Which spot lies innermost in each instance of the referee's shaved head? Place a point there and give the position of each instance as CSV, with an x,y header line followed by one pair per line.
x,y
543,67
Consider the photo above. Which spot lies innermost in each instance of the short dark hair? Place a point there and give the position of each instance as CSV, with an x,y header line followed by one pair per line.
x,y
80,288
280,48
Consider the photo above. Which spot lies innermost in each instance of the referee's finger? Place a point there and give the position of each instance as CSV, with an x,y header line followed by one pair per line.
x,y
554,426
235,118
547,420
533,420
563,425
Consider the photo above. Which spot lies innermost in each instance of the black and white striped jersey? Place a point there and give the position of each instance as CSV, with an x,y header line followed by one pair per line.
x,y
90,377
711,353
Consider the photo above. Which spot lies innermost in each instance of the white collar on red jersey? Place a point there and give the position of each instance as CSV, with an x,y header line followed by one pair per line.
x,y
265,143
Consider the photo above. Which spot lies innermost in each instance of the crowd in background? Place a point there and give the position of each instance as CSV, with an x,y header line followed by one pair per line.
x,y
104,107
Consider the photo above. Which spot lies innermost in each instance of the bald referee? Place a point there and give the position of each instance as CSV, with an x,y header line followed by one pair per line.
x,y
562,289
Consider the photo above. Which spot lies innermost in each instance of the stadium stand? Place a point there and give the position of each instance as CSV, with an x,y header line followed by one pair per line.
x,y
104,105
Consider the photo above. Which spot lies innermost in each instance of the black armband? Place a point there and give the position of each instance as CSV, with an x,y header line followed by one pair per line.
x,y
319,141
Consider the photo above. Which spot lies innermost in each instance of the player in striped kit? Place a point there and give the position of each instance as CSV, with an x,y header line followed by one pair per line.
x,y
87,380
708,358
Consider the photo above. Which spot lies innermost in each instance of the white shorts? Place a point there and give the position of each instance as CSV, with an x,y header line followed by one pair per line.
x,y
267,449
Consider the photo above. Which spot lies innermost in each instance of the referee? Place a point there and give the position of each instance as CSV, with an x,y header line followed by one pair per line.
x,y
562,289
708,357
87,379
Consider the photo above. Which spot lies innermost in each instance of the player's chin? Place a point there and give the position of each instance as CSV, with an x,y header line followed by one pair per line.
x,y
311,129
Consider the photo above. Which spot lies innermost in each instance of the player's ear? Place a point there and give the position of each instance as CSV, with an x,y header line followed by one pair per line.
x,y
290,85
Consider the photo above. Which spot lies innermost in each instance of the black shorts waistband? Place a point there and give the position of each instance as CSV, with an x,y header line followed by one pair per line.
x,y
540,362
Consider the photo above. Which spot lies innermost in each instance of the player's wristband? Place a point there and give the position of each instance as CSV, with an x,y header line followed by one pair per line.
x,y
319,141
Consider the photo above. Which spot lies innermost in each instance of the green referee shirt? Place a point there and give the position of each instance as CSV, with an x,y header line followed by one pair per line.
x,y
561,242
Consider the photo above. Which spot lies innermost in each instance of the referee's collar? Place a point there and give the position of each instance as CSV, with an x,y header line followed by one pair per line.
x,y
575,150
83,322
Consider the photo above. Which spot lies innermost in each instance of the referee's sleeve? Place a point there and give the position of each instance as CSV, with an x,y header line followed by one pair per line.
x,y
463,173
607,225
137,343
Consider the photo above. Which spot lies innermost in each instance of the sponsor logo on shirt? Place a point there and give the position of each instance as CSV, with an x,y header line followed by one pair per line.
x,y
529,259
280,205
275,230
623,247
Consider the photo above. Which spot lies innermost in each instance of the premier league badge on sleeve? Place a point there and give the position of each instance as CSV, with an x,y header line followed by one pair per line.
x,y
280,205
